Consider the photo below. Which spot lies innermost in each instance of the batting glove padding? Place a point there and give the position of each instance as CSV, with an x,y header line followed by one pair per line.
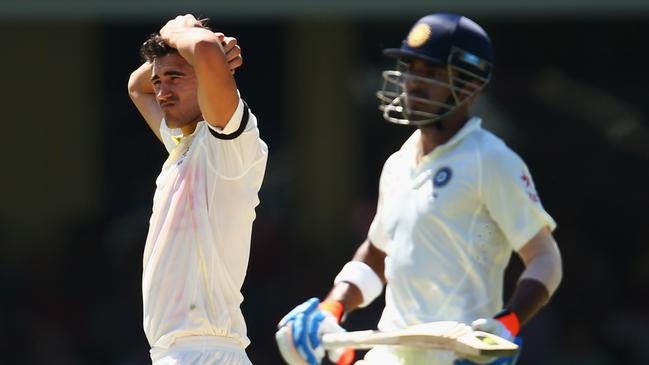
x,y
299,333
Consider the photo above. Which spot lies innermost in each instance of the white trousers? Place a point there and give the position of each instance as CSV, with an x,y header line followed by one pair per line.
x,y
397,355
201,350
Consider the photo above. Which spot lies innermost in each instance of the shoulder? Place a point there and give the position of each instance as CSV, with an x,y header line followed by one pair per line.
x,y
494,151
403,156
394,160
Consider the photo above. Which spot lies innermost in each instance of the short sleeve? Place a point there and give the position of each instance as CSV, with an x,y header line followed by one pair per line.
x,y
234,149
511,198
235,126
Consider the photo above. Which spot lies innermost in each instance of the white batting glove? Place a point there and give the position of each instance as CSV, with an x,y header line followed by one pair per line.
x,y
299,333
492,326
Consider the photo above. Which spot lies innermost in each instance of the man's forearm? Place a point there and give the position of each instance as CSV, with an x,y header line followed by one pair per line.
x,y
188,41
528,297
348,292
540,278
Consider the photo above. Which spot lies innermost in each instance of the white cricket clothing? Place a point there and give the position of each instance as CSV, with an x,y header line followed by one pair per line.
x,y
448,226
201,350
197,248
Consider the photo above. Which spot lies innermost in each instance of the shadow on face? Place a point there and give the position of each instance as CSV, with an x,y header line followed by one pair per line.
x,y
176,90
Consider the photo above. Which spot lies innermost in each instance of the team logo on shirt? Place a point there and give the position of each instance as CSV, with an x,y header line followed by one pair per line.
x,y
442,176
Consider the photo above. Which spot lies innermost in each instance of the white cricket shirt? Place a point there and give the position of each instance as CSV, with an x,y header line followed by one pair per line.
x,y
449,225
197,248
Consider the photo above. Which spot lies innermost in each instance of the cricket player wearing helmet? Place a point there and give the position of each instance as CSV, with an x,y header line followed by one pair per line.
x,y
196,252
454,202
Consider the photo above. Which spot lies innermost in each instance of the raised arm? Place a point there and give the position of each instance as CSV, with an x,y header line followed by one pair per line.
x,y
140,87
202,49
141,92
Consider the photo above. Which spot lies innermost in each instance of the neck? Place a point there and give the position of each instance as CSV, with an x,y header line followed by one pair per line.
x,y
191,127
188,129
433,136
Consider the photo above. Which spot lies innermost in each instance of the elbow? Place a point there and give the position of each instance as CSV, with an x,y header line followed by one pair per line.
x,y
132,84
545,268
139,86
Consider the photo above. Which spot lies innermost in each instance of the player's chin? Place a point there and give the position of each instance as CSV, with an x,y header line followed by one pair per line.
x,y
172,122
418,112
173,119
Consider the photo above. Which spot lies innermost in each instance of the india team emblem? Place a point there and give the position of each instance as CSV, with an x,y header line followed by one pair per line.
x,y
419,35
442,176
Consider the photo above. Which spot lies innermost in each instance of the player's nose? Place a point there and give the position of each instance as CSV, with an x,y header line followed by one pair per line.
x,y
164,92
414,83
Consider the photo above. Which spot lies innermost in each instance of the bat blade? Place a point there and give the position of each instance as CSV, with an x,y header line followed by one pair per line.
x,y
444,335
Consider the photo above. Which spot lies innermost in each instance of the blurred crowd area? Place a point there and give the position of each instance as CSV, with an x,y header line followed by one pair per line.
x,y
568,94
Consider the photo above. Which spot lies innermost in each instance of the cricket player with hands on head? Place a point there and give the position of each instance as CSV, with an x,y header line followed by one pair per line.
x,y
197,248
454,202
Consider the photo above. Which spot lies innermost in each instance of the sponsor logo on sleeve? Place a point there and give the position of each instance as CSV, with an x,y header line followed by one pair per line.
x,y
529,187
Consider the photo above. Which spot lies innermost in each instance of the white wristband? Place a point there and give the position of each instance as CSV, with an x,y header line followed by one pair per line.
x,y
365,279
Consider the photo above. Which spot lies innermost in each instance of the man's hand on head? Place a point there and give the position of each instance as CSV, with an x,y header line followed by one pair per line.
x,y
179,24
232,51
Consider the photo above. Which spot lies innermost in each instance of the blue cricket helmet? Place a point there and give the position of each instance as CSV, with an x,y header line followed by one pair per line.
x,y
435,37
442,39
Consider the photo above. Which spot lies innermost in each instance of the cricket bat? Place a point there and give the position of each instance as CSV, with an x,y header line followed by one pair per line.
x,y
444,335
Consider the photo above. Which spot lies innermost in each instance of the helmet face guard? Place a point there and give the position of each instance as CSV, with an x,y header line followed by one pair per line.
x,y
402,103
453,43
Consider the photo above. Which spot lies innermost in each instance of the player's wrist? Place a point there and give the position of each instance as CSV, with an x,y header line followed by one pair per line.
x,y
363,277
510,320
333,307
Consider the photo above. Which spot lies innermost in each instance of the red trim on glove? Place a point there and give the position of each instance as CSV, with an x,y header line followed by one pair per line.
x,y
347,358
334,307
510,321
337,309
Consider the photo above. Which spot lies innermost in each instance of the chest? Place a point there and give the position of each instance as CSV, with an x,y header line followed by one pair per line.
x,y
444,188
177,163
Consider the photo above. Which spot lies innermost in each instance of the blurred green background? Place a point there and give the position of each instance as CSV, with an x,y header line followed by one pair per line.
x,y
569,94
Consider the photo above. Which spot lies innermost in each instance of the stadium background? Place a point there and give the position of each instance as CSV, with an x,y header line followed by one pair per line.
x,y
78,163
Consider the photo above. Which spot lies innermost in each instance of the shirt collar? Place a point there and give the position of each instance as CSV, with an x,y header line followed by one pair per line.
x,y
177,134
410,146
471,125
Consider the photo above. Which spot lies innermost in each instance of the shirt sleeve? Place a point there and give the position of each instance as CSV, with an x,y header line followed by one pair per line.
x,y
237,147
235,126
511,198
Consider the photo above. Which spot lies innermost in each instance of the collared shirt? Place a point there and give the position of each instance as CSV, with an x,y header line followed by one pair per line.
x,y
449,224
197,248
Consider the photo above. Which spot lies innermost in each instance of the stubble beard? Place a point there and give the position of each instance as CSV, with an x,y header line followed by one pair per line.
x,y
178,121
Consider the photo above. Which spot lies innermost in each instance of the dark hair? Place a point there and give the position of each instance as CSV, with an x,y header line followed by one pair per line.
x,y
154,47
